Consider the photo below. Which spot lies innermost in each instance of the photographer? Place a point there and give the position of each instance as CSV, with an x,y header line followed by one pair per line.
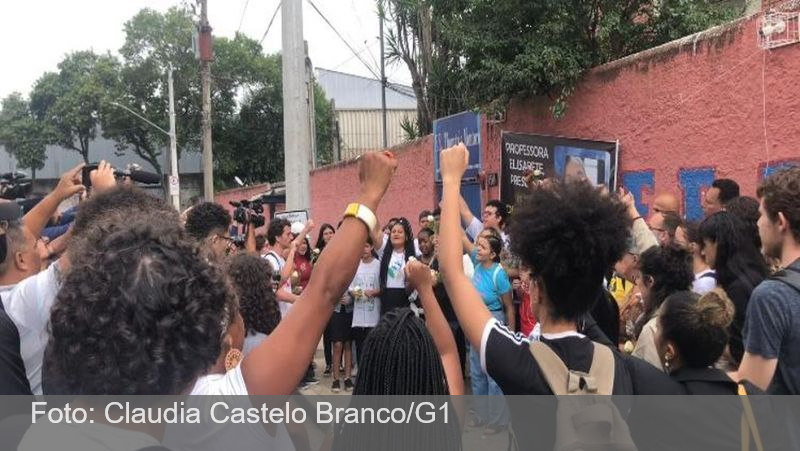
x,y
27,292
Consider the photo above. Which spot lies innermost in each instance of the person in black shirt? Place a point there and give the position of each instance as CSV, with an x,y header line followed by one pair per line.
x,y
427,247
739,267
13,380
567,234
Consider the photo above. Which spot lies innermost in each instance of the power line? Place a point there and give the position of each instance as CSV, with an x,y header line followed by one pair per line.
x,y
241,19
371,70
274,15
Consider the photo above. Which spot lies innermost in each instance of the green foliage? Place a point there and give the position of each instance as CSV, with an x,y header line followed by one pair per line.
x,y
22,136
410,129
68,102
465,54
417,35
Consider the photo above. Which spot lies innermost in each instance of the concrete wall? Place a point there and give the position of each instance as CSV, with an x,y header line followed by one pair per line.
x,y
706,106
334,186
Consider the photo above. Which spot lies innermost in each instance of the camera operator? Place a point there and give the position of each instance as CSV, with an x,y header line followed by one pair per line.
x,y
27,292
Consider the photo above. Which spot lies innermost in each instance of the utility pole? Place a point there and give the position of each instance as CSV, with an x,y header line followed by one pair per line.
x,y
337,152
206,56
296,135
312,118
174,179
383,85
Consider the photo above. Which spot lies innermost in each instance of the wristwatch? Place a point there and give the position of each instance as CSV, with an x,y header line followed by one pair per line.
x,y
363,213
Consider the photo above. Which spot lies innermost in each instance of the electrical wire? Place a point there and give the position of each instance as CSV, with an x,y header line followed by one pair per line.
x,y
370,68
241,19
271,21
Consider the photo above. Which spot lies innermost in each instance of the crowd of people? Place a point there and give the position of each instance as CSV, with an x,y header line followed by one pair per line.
x,y
133,298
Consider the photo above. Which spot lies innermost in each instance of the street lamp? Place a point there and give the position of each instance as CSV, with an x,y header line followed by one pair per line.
x,y
174,180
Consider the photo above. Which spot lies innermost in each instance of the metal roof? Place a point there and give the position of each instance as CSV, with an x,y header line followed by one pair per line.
x,y
354,92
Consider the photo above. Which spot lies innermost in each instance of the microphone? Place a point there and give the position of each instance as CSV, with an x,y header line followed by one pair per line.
x,y
148,178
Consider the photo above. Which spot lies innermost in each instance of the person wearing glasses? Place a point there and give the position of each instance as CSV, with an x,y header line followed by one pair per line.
x,y
208,223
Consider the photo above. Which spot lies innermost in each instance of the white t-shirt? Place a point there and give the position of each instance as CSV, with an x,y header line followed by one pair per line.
x,y
209,435
396,276
28,304
704,282
46,436
252,341
277,262
367,311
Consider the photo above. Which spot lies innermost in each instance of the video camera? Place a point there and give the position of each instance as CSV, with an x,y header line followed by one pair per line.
x,y
137,175
249,212
15,185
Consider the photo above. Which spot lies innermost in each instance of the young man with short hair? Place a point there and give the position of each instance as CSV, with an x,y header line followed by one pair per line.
x,y
772,327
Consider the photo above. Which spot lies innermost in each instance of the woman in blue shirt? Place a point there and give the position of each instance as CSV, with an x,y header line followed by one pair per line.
x,y
491,281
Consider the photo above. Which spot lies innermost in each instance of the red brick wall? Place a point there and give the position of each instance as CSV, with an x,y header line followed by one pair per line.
x,y
333,187
684,113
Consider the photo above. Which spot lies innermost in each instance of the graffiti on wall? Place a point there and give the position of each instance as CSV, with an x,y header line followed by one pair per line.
x,y
693,184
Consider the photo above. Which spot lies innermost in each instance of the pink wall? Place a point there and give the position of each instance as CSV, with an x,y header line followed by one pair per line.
x,y
333,187
684,113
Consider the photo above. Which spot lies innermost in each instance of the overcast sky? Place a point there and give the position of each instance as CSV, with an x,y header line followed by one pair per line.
x,y
36,34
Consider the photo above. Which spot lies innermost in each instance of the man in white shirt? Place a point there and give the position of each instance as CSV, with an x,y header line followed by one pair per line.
x,y
27,294
280,255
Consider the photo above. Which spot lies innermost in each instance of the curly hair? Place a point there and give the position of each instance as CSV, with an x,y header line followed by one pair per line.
x,y
408,249
144,314
569,234
670,271
205,219
113,209
698,326
251,278
780,193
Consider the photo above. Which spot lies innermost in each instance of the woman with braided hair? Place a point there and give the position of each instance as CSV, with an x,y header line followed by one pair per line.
x,y
405,356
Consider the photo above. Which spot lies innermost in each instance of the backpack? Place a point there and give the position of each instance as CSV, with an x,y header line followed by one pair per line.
x,y
790,276
591,421
749,425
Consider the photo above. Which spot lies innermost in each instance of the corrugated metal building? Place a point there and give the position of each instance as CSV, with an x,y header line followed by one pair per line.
x,y
60,160
357,103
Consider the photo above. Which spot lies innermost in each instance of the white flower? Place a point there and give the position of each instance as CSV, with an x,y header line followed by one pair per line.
x,y
431,218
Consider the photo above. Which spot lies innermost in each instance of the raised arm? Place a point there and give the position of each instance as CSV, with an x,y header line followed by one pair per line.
x,y
68,185
467,303
466,214
277,365
420,277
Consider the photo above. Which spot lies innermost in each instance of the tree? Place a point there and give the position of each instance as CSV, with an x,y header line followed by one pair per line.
x,y
525,48
21,134
465,54
416,37
68,101
155,41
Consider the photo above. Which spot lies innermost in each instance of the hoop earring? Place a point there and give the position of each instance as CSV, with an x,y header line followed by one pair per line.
x,y
233,358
